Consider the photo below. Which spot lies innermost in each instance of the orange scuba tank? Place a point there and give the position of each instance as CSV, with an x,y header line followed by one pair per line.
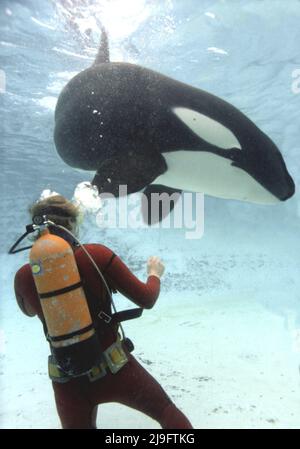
x,y
71,332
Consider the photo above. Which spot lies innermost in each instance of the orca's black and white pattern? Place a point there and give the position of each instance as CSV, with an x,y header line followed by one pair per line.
x,y
139,128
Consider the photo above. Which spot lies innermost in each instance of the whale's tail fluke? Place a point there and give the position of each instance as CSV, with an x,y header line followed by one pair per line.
x,y
103,52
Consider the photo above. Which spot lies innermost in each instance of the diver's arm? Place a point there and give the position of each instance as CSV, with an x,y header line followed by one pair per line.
x,y
21,292
142,294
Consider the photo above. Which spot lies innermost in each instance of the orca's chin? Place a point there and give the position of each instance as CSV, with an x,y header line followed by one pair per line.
x,y
286,191
288,195
262,202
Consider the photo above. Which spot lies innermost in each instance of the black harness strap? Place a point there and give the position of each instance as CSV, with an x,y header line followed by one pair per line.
x,y
126,315
61,291
118,317
72,334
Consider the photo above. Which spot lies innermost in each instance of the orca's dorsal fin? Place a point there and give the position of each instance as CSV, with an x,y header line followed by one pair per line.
x,y
103,52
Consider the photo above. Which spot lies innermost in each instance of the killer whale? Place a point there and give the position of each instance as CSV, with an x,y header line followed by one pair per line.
x,y
139,128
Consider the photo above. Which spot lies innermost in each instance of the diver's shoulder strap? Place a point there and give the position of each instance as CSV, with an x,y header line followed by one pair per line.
x,y
107,267
104,270
109,263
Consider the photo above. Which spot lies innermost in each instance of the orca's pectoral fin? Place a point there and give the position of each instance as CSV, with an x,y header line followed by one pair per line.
x,y
157,202
135,171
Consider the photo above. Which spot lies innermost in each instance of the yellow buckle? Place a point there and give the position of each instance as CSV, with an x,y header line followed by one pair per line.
x,y
115,357
55,373
97,372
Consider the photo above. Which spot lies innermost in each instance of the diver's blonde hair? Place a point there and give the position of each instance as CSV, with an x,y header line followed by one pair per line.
x,y
57,209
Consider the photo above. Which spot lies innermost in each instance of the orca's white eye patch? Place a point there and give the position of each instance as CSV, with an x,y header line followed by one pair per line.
x,y
208,129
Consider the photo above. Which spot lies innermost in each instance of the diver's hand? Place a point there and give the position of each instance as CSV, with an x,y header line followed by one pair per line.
x,y
155,267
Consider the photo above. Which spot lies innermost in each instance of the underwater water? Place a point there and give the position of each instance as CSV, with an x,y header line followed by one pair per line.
x,y
224,336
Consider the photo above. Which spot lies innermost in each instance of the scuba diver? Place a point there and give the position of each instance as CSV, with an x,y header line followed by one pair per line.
x,y
69,287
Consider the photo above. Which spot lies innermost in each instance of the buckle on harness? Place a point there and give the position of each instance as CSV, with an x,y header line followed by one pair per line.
x,y
55,373
97,372
115,357
103,316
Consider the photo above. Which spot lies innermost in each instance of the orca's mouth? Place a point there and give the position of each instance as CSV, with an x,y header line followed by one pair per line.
x,y
281,185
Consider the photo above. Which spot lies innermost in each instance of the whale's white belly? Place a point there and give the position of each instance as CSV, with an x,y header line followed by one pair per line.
x,y
203,171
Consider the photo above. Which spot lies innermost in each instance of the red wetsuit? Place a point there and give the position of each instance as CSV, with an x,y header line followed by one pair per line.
x,y
77,399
